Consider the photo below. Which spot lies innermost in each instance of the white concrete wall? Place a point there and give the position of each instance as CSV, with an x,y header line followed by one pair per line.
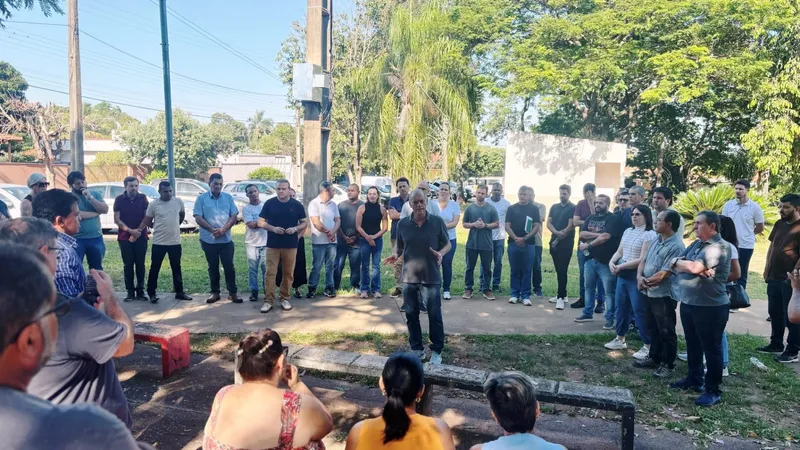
x,y
544,162
237,167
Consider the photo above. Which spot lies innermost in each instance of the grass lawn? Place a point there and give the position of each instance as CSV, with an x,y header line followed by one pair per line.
x,y
755,403
195,269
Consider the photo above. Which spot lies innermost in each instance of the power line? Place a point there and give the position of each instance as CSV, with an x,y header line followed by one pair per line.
x,y
156,65
217,41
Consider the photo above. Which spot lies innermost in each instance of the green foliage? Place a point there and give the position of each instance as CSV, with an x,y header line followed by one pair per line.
x,y
485,162
155,174
48,7
229,135
103,119
690,203
12,83
193,144
266,173
115,158
258,126
281,141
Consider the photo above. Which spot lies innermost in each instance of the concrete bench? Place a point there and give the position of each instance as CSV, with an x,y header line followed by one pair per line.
x,y
547,391
174,343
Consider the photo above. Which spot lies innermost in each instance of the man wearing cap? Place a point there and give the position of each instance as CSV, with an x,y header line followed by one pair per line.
x,y
325,221
37,184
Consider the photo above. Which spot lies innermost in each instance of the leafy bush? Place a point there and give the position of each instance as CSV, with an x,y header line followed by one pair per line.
x,y
155,174
266,173
690,203
112,158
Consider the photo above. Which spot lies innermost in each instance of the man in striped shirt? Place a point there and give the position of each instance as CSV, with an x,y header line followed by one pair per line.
x,y
60,208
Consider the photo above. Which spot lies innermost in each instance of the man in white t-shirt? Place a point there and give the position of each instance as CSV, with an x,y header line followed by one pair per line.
x,y
255,241
499,235
433,207
325,221
749,219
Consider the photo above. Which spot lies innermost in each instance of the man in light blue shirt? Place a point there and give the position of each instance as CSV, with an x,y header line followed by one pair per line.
x,y
215,213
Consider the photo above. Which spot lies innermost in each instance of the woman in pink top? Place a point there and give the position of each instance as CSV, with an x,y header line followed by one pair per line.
x,y
282,419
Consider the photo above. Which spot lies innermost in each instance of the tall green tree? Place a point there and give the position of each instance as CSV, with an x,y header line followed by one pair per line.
x,y
103,119
429,96
257,126
228,134
12,83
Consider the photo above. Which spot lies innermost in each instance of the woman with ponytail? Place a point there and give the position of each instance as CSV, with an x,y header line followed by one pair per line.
x,y
280,419
400,427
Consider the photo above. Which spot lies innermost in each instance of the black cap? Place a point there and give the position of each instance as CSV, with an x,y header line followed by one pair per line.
x,y
325,185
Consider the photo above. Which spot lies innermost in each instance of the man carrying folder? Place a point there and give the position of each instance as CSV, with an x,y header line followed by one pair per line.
x,y
522,224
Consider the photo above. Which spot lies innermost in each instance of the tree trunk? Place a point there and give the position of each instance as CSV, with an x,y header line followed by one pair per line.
x,y
662,150
765,183
445,150
357,144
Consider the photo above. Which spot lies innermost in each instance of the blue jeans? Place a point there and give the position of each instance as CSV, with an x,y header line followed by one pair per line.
x,y
94,249
256,263
344,251
447,266
725,359
371,256
521,260
322,253
486,268
745,254
601,293
536,275
703,327
497,255
630,302
413,295
593,272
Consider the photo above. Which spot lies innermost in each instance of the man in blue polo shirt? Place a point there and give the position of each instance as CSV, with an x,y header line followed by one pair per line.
x,y
215,213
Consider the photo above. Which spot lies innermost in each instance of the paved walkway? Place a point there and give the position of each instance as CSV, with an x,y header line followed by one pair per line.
x,y
349,313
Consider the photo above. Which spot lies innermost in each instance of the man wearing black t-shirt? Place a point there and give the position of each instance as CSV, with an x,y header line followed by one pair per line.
x,y
284,218
522,223
600,236
562,241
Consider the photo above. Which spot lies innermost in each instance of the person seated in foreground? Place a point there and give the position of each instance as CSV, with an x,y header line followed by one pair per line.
x,y
400,427
512,398
290,418
28,337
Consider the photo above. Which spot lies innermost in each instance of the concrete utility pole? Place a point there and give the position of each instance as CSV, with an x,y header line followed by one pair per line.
x,y
167,94
298,150
75,96
316,157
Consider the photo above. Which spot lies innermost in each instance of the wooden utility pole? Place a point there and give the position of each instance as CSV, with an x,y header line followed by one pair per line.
x,y
75,96
317,116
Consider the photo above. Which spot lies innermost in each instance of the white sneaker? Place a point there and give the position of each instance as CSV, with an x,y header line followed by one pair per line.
x,y
560,303
643,353
616,344
553,299
436,358
266,308
526,301
286,305
725,372
513,300
446,295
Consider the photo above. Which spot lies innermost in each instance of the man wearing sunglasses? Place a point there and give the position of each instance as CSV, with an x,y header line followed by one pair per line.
x,y
80,369
29,314
38,183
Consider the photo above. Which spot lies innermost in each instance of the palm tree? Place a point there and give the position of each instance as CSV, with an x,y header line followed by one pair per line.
x,y
258,126
428,99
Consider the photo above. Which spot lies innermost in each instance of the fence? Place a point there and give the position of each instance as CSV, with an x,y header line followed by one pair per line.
x,y
17,173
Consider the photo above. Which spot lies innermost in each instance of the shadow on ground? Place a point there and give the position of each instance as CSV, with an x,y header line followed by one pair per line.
x,y
170,414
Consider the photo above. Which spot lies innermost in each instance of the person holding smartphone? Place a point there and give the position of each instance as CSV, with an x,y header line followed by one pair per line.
x,y
90,236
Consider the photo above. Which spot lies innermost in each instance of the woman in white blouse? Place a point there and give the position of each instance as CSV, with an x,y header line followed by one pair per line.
x,y
450,212
629,301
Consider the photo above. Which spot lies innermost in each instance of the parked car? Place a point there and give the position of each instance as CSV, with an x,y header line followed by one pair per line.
x,y
111,190
12,195
188,190
454,190
238,189
384,194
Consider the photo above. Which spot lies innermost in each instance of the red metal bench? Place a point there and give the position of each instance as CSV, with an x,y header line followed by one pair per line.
x,y
174,343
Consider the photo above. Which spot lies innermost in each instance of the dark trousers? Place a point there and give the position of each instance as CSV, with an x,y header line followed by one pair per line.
x,y
778,294
661,320
159,251
745,254
703,327
536,274
216,253
343,252
133,254
429,294
486,268
562,256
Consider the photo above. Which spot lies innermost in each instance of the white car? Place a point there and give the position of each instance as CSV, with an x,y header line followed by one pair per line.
x,y
238,189
111,190
12,195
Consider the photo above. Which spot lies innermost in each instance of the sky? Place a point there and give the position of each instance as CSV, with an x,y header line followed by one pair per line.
x,y
254,28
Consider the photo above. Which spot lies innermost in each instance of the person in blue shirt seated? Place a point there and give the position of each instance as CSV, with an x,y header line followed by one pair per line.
x,y
512,398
